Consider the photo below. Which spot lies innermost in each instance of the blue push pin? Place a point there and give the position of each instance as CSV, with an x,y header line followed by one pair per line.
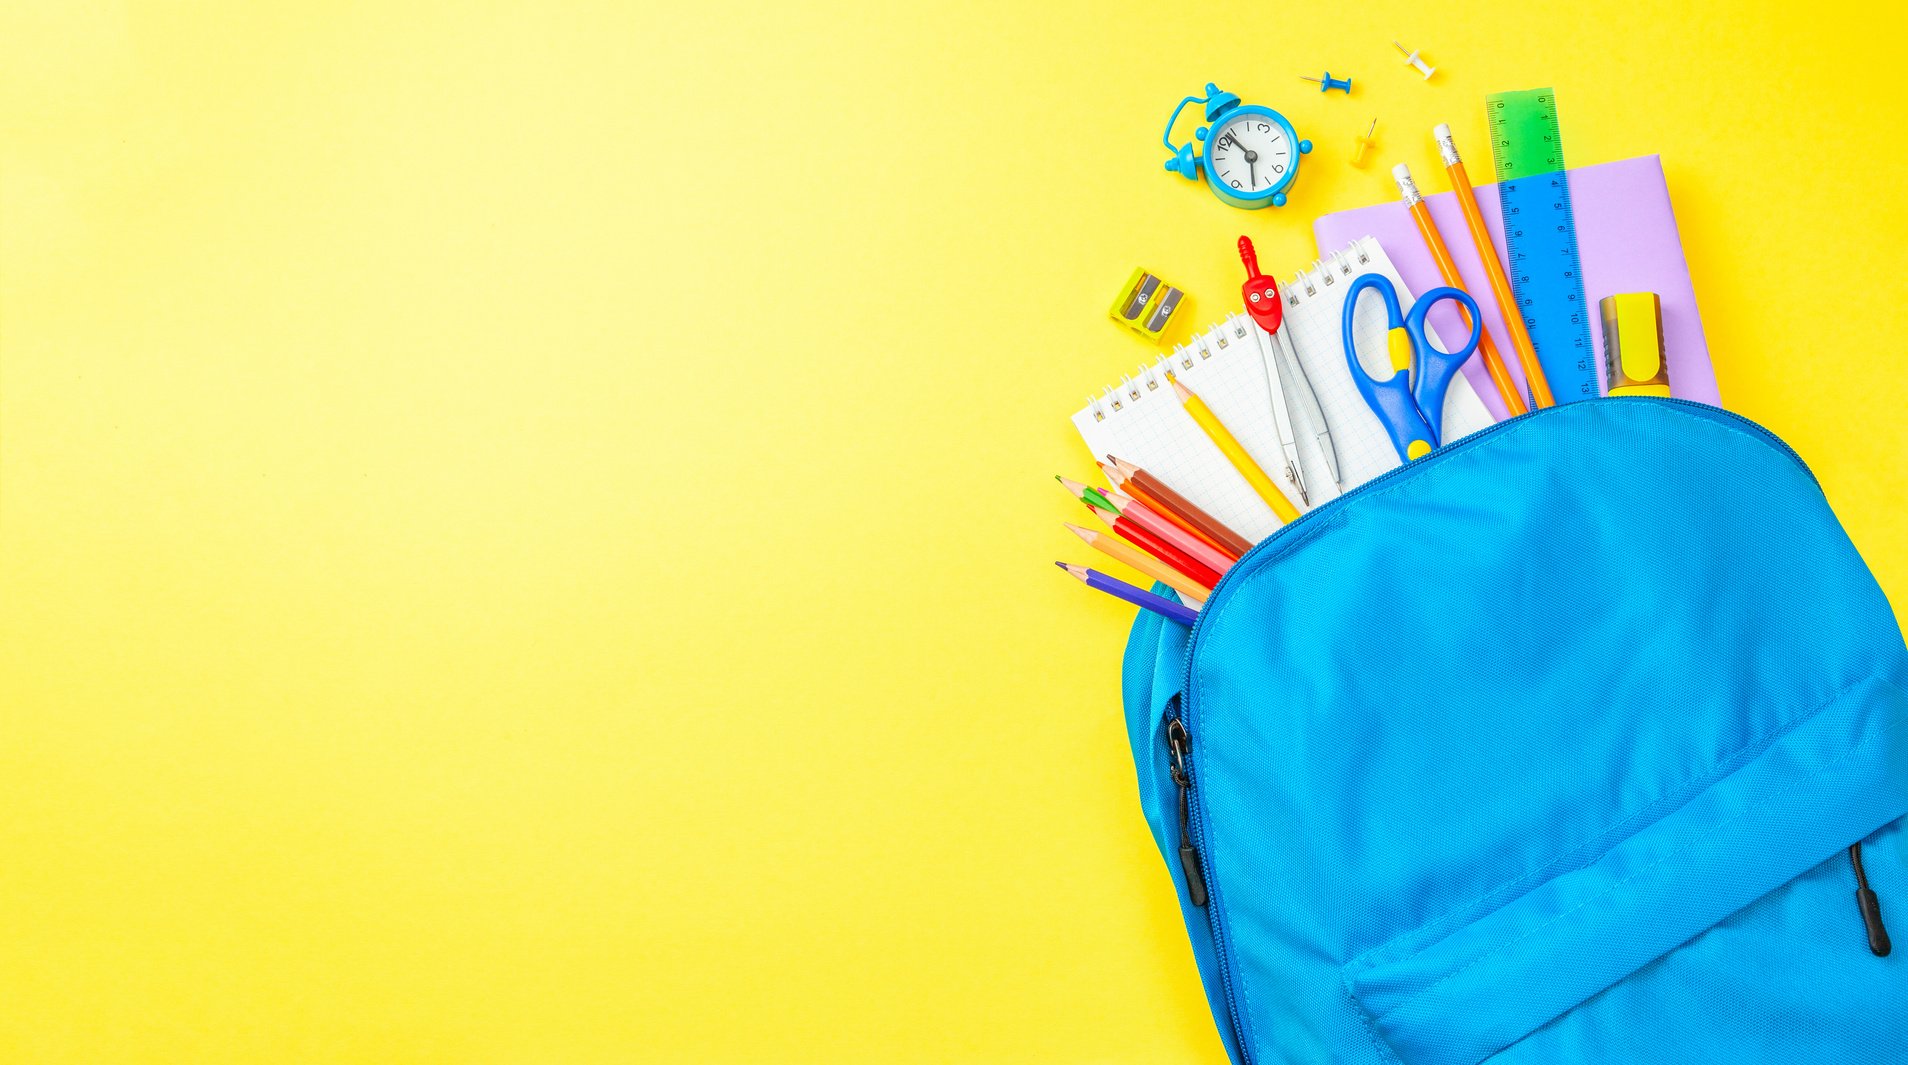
x,y
1330,83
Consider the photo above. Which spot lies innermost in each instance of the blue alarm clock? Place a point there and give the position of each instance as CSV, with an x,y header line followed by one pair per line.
x,y
1252,153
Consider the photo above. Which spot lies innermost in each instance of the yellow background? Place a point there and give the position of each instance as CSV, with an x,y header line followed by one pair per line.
x,y
525,528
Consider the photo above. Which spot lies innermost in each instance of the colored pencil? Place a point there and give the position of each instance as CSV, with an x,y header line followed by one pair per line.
x,y
1139,597
1139,537
1156,493
1500,284
1121,484
1204,564
1086,493
1120,551
1447,268
1235,452
1153,522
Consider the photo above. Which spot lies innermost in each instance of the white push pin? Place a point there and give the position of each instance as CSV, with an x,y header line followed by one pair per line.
x,y
1411,57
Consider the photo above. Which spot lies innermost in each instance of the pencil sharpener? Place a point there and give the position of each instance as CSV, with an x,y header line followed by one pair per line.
x,y
1147,305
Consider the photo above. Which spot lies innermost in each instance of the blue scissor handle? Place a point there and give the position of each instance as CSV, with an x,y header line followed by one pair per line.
x,y
1391,398
1432,370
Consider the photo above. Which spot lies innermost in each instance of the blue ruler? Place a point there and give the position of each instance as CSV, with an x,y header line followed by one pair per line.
x,y
1540,233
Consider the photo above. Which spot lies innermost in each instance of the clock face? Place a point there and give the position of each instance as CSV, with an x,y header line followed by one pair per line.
x,y
1251,154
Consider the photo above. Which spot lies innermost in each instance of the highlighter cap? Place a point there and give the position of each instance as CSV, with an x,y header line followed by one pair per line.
x,y
1633,357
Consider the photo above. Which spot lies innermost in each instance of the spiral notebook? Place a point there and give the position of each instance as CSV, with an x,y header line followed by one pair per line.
x,y
1139,420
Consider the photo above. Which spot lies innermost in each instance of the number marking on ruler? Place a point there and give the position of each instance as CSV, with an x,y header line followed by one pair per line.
x,y
1540,232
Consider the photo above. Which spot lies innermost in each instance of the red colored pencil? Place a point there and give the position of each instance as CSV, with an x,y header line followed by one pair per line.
x,y
1137,482
1144,539
1165,510
1157,524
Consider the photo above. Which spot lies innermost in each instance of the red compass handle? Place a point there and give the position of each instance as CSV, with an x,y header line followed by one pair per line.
x,y
1260,291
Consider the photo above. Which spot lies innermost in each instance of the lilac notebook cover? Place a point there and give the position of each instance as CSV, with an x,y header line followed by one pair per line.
x,y
1626,234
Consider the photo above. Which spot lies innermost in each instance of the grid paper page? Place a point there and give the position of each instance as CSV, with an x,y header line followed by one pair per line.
x,y
1315,302
1140,421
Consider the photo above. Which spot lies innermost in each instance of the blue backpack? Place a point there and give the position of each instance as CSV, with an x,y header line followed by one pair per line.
x,y
1552,746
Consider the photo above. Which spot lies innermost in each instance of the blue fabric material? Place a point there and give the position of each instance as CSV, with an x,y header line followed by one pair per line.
x,y
1545,748
1151,673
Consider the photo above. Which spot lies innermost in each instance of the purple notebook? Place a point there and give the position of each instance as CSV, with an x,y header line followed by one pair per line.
x,y
1626,235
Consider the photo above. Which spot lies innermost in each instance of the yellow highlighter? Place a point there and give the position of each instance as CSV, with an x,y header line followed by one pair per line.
x,y
1633,344
1235,454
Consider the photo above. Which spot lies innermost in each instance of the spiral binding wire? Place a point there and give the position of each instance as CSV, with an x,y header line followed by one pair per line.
x,y
1324,273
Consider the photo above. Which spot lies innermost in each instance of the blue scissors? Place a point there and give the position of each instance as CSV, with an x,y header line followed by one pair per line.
x,y
1410,402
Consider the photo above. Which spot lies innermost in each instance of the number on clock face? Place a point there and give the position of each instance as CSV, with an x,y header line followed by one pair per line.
x,y
1251,154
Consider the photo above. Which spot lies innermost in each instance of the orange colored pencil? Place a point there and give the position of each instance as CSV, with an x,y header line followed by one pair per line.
x,y
1120,551
1166,510
1122,484
1155,493
1434,243
1153,522
1154,546
1143,531
1500,284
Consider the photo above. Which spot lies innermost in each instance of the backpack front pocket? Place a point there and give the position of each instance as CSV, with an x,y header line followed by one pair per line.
x,y
1465,990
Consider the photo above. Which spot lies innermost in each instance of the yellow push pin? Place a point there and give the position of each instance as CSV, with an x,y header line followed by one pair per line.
x,y
1364,142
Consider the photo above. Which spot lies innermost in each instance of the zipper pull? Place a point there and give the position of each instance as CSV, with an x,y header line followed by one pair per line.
x,y
1878,943
1180,745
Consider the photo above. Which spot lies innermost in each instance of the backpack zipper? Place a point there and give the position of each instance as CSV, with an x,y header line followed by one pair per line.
x,y
1878,943
1192,812
1179,746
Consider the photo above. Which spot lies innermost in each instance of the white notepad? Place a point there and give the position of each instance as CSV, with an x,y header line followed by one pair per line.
x,y
1140,421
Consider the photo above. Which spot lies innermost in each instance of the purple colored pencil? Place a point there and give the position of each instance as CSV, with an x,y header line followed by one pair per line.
x,y
1137,596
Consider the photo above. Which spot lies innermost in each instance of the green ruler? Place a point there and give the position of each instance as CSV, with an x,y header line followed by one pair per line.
x,y
1540,233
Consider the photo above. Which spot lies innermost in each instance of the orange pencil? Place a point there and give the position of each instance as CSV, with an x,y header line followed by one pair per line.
x,y
1153,522
1144,535
1154,546
1121,484
1155,493
1120,551
1500,284
1434,243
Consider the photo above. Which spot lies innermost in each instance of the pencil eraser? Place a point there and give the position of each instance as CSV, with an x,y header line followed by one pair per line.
x,y
1401,172
1441,131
